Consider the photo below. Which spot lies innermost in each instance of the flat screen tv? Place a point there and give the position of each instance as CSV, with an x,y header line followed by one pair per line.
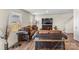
x,y
46,20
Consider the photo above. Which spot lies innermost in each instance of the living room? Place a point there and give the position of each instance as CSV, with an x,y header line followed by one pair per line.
x,y
31,21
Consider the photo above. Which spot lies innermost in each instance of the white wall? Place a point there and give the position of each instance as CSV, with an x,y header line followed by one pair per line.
x,y
62,21
3,19
76,24
3,22
4,14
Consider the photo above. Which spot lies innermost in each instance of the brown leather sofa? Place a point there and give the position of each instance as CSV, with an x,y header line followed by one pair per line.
x,y
30,30
52,34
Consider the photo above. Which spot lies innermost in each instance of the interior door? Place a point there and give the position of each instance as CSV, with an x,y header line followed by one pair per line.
x,y
13,26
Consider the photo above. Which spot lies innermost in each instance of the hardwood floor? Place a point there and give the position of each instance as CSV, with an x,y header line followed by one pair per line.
x,y
24,46
71,44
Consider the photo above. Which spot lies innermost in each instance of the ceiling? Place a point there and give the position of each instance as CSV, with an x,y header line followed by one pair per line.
x,y
48,11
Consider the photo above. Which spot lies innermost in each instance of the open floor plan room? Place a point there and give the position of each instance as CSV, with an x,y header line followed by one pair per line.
x,y
39,29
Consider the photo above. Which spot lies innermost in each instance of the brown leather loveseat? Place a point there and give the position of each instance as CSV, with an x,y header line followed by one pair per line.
x,y
30,30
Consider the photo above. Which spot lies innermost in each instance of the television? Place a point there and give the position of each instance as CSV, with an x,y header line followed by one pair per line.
x,y
46,20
